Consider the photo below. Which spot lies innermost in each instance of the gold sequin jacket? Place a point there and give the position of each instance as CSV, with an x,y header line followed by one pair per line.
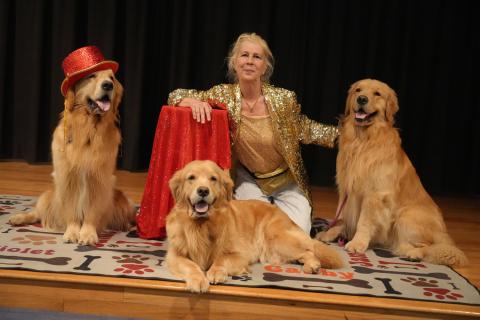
x,y
290,126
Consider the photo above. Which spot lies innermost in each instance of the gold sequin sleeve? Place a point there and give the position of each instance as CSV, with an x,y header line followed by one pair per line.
x,y
222,93
317,133
313,132
178,95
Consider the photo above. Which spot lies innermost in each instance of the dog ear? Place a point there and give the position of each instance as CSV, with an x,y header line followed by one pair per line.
x,y
175,184
392,107
69,99
227,184
118,93
350,98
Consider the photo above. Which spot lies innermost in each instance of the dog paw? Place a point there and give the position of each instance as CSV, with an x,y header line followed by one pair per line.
x,y
87,236
312,266
324,236
71,234
415,254
88,239
356,246
197,284
217,275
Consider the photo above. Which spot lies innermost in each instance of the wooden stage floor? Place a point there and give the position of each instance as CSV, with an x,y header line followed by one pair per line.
x,y
163,300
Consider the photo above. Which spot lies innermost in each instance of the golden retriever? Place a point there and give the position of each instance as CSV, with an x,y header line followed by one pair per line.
x,y
384,202
84,150
209,232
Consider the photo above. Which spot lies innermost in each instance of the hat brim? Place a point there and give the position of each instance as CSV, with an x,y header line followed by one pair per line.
x,y
72,78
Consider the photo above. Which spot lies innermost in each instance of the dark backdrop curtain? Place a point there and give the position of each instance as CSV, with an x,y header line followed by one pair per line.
x,y
426,50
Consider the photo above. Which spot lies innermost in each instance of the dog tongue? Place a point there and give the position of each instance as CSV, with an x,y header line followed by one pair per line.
x,y
360,115
201,207
104,105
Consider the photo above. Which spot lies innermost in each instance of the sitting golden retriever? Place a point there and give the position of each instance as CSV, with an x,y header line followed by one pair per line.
x,y
383,200
208,231
84,150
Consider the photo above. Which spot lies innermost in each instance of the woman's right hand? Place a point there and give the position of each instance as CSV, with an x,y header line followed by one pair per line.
x,y
201,110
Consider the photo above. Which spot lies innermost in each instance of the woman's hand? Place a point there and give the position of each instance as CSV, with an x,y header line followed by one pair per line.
x,y
200,110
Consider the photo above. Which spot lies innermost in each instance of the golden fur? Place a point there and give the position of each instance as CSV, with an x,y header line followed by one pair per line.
x,y
84,151
386,204
209,232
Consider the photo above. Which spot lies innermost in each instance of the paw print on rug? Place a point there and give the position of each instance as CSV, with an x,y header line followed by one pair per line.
x,y
430,288
421,282
9,203
132,264
441,293
36,240
6,209
104,237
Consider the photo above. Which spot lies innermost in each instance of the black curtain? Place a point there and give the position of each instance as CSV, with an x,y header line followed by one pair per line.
x,y
427,51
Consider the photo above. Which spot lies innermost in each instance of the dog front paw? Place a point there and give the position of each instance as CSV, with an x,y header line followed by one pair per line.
x,y
415,254
330,234
197,283
88,236
324,236
71,234
217,275
312,266
356,246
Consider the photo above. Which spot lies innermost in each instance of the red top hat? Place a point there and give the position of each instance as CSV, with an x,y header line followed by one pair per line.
x,y
83,62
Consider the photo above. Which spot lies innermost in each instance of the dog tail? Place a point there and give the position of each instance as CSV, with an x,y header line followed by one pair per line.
x,y
36,215
124,216
329,257
25,218
444,251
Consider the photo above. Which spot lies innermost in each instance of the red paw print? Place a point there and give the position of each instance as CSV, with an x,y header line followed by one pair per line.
x,y
421,282
132,264
430,288
441,294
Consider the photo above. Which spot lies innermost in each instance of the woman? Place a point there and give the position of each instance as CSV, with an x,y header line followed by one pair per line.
x,y
267,130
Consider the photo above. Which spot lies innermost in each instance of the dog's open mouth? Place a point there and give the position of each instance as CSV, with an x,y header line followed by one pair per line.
x,y
102,105
201,208
362,118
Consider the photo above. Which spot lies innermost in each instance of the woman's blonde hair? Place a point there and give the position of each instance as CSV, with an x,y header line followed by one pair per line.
x,y
255,38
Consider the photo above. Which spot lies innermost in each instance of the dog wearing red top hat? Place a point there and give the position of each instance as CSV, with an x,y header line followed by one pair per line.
x,y
85,143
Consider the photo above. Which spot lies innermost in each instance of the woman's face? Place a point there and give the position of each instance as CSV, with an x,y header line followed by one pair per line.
x,y
250,62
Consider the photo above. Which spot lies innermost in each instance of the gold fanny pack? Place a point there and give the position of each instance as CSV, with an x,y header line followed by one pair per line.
x,y
273,181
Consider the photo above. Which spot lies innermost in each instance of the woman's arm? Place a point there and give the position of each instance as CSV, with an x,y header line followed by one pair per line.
x,y
194,99
313,132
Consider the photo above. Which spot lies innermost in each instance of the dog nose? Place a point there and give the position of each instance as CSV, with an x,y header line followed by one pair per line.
x,y
107,85
203,191
362,100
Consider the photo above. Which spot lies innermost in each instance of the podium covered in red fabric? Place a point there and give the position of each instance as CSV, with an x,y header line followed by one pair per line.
x,y
179,139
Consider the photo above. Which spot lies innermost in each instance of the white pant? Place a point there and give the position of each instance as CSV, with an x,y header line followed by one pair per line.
x,y
289,198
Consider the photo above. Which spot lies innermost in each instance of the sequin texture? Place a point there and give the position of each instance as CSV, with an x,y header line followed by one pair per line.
x,y
290,126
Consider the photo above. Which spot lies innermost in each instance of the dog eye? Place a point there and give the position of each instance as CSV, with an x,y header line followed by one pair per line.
x,y
357,90
377,93
191,177
213,178
93,75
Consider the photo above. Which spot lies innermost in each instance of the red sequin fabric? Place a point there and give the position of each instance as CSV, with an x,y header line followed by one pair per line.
x,y
179,139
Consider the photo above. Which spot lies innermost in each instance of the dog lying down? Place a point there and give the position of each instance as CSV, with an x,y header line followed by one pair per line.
x,y
209,232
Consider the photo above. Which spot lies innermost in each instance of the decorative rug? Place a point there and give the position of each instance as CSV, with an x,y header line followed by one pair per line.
x,y
120,254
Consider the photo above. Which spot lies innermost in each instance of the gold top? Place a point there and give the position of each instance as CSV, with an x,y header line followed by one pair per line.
x,y
257,148
289,124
